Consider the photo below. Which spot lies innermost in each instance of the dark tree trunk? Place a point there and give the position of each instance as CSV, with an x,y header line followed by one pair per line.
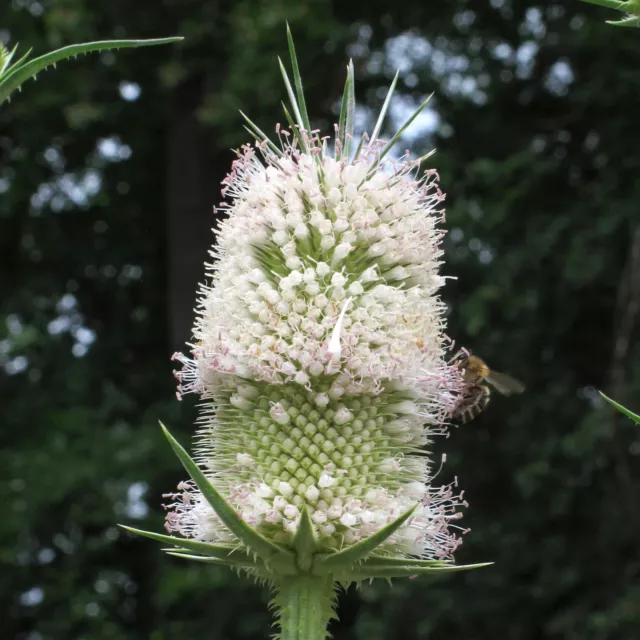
x,y
193,190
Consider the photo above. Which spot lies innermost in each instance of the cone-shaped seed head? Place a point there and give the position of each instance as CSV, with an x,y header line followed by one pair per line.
x,y
320,352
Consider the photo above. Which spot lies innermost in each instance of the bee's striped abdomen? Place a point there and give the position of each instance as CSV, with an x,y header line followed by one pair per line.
x,y
472,403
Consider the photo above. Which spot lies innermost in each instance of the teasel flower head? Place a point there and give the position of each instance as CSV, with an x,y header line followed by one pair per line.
x,y
321,358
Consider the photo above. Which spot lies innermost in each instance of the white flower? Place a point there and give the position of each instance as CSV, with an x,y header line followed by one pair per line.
x,y
319,346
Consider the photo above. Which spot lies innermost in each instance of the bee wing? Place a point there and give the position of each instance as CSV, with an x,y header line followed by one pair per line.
x,y
504,383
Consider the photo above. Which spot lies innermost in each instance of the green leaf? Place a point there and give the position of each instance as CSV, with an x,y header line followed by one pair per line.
x,y
360,550
385,107
297,79
222,552
610,4
622,409
632,19
305,542
20,72
629,21
403,571
267,550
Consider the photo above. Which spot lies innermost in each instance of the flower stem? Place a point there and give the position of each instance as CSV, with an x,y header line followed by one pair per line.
x,y
305,604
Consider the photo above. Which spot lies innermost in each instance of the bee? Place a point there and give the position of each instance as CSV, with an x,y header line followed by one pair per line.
x,y
476,395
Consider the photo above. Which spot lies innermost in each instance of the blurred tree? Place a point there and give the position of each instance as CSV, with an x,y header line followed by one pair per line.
x,y
108,172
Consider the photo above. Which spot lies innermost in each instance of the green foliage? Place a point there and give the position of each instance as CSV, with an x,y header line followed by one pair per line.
x,y
14,75
621,409
631,7
537,155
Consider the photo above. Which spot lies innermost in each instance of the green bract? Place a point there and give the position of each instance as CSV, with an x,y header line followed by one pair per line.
x,y
621,409
270,561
